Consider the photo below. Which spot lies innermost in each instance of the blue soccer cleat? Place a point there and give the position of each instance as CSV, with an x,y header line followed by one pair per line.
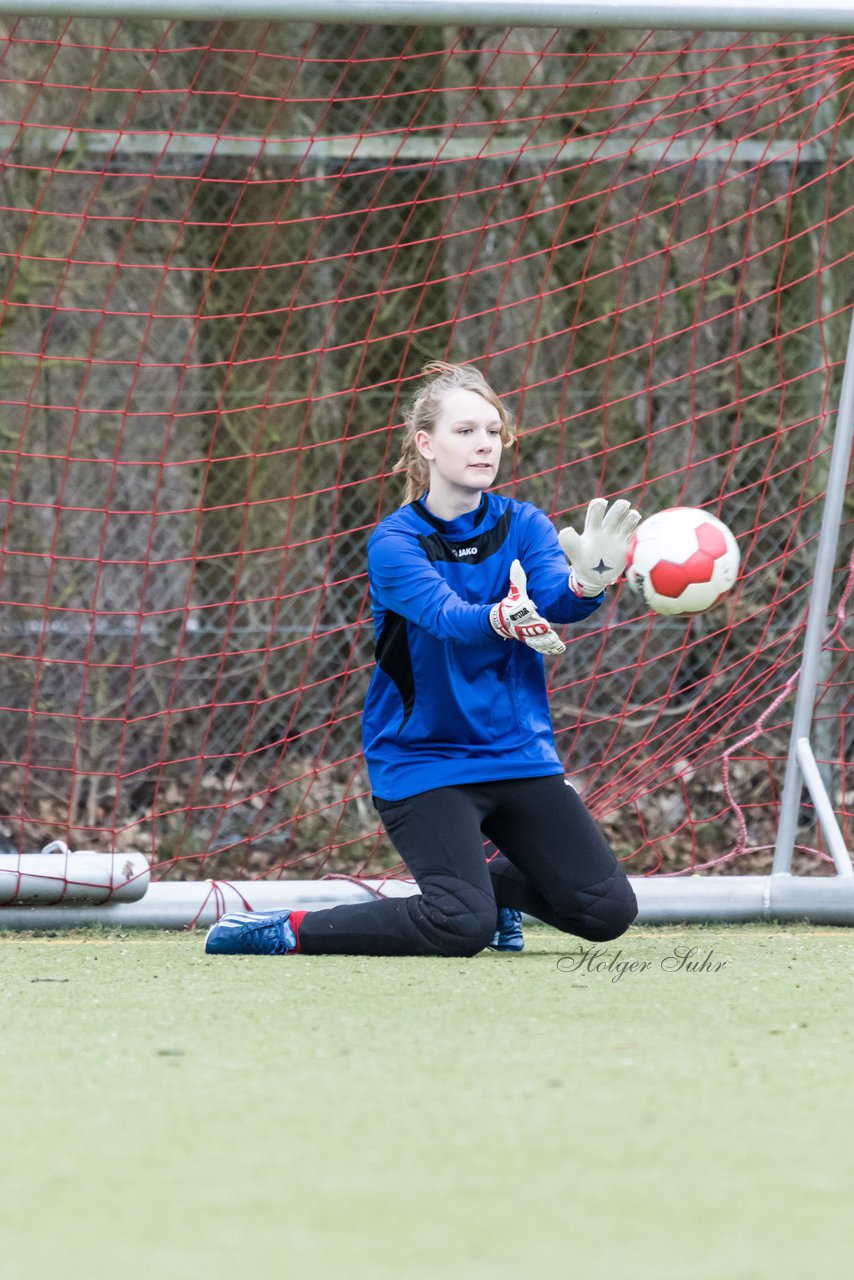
x,y
508,935
252,933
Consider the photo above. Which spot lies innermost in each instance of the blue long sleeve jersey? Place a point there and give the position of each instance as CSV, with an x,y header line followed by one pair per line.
x,y
450,701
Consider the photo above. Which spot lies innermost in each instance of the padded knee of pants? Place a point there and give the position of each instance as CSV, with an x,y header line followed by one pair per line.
x,y
603,911
455,921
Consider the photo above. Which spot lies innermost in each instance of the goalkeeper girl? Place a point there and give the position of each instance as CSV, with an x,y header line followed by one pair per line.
x,y
457,731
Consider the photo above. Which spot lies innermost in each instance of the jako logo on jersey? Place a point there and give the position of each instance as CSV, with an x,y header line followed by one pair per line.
x,y
464,551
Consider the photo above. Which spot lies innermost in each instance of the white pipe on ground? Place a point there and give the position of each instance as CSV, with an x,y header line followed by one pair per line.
x,y
56,876
662,900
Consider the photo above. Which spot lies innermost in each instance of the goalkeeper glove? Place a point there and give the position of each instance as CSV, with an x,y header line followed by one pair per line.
x,y
597,556
516,618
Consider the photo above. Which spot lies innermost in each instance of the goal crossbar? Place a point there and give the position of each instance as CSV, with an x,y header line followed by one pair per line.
x,y
663,15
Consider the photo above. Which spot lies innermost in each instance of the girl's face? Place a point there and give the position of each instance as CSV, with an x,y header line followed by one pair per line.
x,y
464,447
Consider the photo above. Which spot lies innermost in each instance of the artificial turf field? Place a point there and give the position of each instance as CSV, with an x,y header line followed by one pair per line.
x,y
167,1114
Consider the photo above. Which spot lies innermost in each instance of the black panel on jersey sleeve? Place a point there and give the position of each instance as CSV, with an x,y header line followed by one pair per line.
x,y
394,658
473,550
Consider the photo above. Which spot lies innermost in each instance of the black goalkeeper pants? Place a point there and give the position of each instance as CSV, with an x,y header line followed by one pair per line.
x,y
554,864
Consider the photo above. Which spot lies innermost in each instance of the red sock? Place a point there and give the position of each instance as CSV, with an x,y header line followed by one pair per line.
x,y
295,920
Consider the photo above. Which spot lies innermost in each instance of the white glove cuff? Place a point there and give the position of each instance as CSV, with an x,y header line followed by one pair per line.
x,y
580,587
496,622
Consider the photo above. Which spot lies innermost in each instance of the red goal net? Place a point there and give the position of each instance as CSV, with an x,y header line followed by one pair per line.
x,y
226,252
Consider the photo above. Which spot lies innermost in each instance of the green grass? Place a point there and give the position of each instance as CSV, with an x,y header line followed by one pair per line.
x,y
170,1114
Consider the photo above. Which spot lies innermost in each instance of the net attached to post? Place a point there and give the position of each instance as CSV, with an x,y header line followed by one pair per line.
x,y
227,250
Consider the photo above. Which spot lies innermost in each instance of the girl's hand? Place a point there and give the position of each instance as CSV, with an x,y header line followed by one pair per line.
x,y
597,556
516,618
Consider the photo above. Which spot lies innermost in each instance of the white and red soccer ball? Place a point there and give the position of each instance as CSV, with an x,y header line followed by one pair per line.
x,y
682,560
